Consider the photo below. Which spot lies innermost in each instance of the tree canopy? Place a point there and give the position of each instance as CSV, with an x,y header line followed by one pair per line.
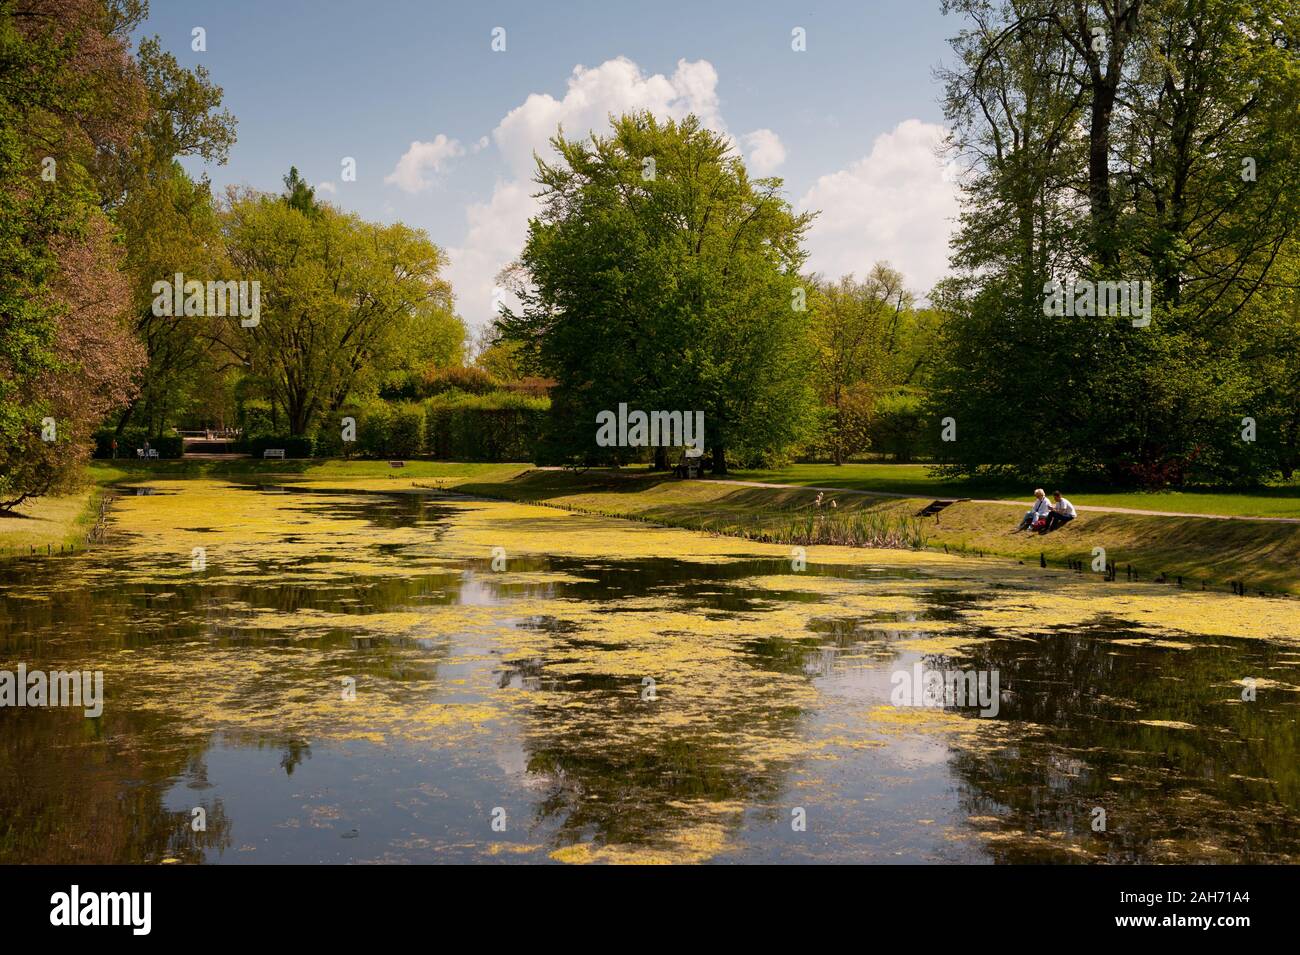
x,y
660,275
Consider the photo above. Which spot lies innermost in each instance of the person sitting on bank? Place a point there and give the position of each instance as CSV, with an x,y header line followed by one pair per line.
x,y
1038,512
1062,512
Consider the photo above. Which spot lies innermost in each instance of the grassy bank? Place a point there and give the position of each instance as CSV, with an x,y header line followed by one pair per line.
x,y
57,523
1266,556
1274,501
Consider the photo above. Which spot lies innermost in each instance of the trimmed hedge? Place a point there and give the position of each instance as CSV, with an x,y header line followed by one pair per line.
x,y
899,427
295,446
497,427
406,425
500,426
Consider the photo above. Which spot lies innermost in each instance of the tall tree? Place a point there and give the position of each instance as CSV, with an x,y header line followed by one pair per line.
x,y
659,274
856,334
340,298
69,94
1122,139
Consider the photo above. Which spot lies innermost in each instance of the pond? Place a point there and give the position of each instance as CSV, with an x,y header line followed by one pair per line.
x,y
297,675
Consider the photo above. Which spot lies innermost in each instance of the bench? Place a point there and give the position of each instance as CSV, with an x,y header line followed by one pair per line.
x,y
691,466
273,453
934,507
397,464
146,452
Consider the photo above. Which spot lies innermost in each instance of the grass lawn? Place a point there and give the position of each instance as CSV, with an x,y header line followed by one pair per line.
x,y
1265,556
55,522
1276,501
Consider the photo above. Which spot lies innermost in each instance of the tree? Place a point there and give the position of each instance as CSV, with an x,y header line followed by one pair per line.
x,y
169,226
172,227
1109,142
298,194
856,334
343,301
660,275
69,94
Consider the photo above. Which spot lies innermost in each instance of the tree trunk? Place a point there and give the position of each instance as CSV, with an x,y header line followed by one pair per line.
x,y
719,460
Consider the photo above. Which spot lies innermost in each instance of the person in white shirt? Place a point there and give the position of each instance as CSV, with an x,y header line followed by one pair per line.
x,y
1061,514
1041,509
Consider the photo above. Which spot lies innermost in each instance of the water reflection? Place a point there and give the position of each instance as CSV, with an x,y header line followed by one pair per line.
x,y
612,709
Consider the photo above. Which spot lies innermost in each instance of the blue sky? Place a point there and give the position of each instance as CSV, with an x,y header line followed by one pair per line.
x,y
850,123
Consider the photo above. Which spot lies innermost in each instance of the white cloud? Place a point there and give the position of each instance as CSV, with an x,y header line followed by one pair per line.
x,y
421,158
895,204
766,152
328,187
616,86
899,203
498,227
496,234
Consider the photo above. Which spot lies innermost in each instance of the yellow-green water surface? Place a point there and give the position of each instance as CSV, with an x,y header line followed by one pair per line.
x,y
339,677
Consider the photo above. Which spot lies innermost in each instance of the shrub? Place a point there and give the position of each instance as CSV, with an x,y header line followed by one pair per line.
x,y
500,426
406,432
327,439
471,381
294,446
898,426
374,429
255,418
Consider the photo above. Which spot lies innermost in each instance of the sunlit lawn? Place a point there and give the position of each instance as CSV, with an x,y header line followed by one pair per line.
x,y
1276,501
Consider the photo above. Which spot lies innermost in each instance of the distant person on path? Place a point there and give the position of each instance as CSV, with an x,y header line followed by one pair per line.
x,y
1038,512
1062,513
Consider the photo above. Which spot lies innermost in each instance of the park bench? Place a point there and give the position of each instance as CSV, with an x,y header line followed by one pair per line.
x,y
692,464
397,464
273,453
146,452
934,507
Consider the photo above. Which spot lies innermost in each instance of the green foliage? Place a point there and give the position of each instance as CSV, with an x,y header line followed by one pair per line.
x,y
500,426
375,430
352,301
671,291
470,380
298,195
858,332
406,431
70,97
256,418
898,426
1128,166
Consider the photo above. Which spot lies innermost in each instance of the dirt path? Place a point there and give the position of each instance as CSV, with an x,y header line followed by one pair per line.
x,y
1025,504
